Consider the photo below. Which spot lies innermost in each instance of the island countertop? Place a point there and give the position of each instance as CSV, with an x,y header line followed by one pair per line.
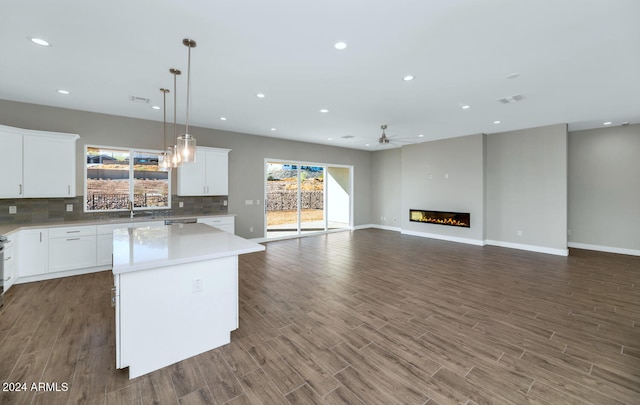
x,y
144,248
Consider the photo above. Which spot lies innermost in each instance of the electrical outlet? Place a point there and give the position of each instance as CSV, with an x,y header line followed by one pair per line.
x,y
250,229
519,232
248,202
224,203
257,202
197,285
13,209
69,207
181,204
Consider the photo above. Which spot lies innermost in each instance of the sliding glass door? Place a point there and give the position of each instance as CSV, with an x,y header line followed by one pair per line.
x,y
303,198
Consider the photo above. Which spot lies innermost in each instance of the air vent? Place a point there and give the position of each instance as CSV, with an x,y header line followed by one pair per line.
x,y
347,137
511,99
137,99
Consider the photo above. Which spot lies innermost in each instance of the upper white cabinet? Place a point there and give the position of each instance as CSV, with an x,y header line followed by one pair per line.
x,y
208,175
37,164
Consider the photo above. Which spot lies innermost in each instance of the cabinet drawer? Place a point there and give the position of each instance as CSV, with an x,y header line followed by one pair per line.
x,y
72,231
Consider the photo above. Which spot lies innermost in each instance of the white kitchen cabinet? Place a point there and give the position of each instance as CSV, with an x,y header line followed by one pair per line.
x,y
226,224
33,252
208,175
37,164
72,248
10,267
11,164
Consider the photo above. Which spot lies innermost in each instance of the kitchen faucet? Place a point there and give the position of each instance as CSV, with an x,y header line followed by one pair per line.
x,y
131,209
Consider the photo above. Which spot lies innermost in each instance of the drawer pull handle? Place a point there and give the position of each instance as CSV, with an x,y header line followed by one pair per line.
x,y
70,239
73,231
7,258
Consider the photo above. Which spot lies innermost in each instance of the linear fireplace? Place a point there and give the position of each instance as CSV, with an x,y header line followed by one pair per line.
x,y
461,219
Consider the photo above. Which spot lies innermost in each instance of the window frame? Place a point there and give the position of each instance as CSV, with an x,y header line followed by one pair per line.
x,y
132,152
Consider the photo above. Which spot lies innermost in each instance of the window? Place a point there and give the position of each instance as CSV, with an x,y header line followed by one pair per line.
x,y
116,176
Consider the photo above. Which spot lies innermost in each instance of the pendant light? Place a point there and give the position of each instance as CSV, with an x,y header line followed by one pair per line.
x,y
186,142
172,151
164,163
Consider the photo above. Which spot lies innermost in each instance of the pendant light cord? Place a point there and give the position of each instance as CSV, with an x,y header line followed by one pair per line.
x,y
188,87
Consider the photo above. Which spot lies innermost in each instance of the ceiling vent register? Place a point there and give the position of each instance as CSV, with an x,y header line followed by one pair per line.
x,y
511,99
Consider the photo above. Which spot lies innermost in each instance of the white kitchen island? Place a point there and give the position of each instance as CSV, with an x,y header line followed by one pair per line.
x,y
175,293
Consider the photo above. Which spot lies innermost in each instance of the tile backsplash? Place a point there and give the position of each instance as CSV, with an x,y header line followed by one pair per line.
x,y
42,210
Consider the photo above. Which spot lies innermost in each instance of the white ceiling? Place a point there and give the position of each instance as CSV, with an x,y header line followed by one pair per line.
x,y
578,63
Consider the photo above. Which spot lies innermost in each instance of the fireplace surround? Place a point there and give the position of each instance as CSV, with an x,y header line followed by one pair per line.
x,y
458,219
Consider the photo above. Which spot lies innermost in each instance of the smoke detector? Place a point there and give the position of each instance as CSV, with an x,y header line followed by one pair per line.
x,y
511,99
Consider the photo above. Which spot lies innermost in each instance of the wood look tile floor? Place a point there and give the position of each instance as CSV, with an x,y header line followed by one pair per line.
x,y
364,317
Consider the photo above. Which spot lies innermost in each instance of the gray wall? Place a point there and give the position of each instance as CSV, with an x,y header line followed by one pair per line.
x,y
527,187
386,191
445,175
246,160
604,187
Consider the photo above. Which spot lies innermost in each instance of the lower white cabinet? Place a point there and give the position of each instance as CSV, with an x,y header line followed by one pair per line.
x,y
226,224
72,248
10,261
33,252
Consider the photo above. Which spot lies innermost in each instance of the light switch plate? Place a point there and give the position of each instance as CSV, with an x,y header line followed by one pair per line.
x,y
13,209
248,202
69,207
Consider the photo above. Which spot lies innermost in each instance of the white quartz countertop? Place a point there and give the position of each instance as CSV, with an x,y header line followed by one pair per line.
x,y
144,248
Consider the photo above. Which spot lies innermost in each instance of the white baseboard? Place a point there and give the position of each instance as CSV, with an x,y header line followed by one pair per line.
x,y
468,241
609,249
385,227
68,273
531,248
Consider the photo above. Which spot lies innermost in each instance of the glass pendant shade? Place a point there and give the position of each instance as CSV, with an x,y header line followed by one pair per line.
x,y
176,157
187,148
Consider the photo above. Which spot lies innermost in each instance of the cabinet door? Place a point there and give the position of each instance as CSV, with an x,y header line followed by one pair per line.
x,y
72,253
191,176
49,166
11,165
217,173
104,249
33,252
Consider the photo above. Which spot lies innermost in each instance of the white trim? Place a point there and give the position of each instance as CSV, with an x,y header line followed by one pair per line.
x,y
609,249
531,248
59,274
468,241
385,227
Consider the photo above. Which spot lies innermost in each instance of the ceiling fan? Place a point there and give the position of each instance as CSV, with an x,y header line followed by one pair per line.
x,y
384,140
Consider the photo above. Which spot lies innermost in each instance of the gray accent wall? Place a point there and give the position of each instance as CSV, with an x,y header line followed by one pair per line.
x,y
246,159
604,188
527,187
445,175
386,190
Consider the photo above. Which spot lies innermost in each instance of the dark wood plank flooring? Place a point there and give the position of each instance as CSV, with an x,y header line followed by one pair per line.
x,y
364,317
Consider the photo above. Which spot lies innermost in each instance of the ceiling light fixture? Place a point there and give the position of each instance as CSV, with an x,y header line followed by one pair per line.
x,y
497,122
324,111
155,107
164,161
421,136
260,95
63,92
383,140
408,78
39,41
465,107
172,151
273,129
340,45
186,141
607,123
223,118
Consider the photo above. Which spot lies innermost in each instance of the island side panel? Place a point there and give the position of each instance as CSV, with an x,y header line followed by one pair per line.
x,y
165,319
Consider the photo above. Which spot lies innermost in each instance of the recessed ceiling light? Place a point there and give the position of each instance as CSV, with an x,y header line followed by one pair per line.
x,y
465,107
155,107
324,111
63,91
366,144
40,41
260,95
497,121
420,136
330,139
340,45
223,118
273,129
408,78
607,123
